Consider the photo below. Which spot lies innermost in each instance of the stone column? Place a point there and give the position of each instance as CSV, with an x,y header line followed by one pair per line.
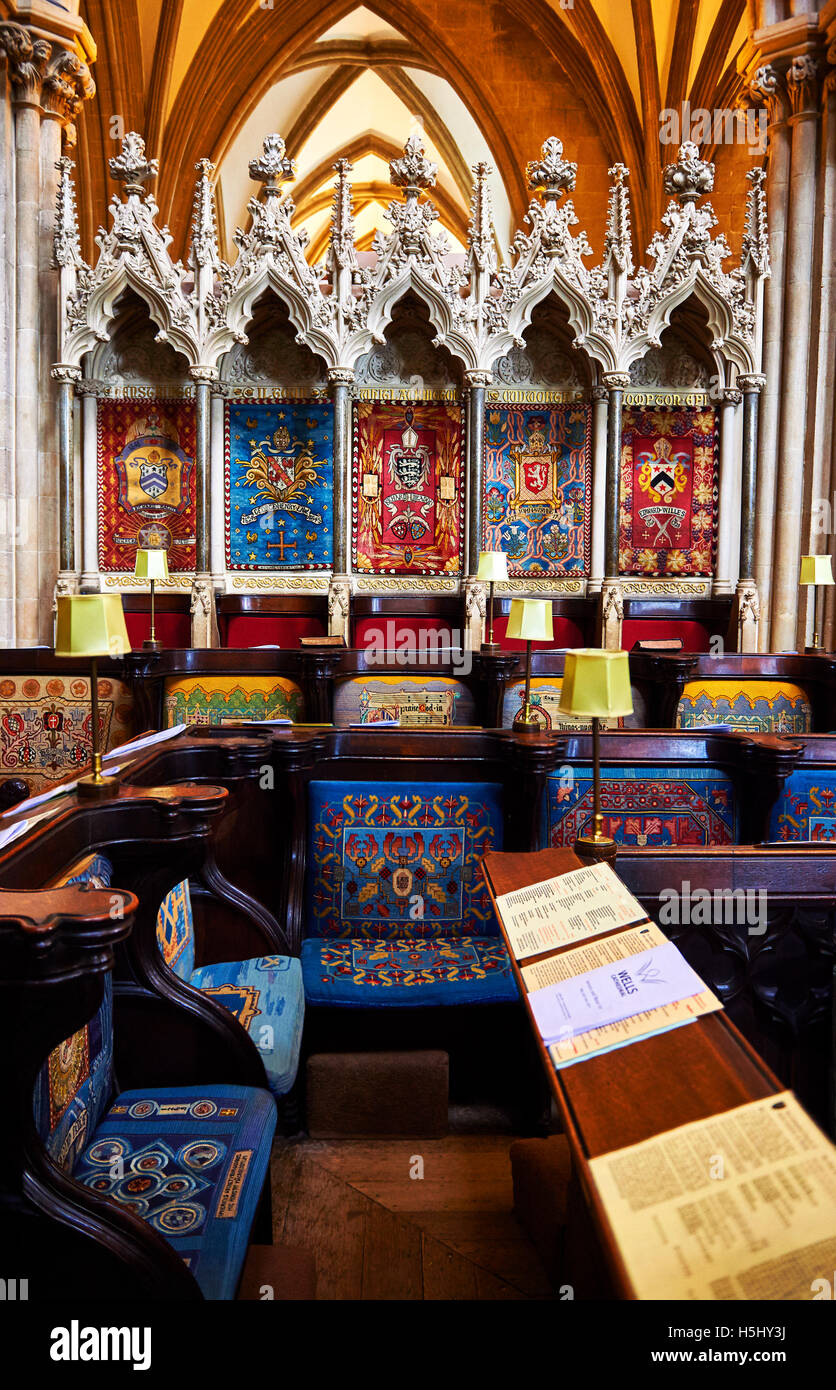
x,y
49,82
217,519
769,87
599,487
612,602
340,380
730,492
748,606
824,486
204,620
7,408
476,383
90,582
798,303
66,377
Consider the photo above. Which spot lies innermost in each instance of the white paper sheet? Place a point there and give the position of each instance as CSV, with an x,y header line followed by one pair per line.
x,y
566,909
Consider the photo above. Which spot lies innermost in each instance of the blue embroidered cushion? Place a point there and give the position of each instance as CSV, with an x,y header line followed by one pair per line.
x,y
806,808
390,860
646,806
191,1161
75,1084
267,998
444,970
175,930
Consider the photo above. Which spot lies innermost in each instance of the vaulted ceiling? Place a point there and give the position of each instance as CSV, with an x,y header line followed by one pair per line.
x,y
480,80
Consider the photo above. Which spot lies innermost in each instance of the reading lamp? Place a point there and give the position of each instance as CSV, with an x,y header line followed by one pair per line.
x,y
816,570
151,565
530,620
92,625
493,566
596,685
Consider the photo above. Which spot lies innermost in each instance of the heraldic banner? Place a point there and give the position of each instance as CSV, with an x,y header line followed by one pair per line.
x,y
279,485
669,491
537,499
146,481
407,504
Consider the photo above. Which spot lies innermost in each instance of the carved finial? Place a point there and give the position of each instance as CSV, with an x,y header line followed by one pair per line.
x,y
690,177
413,171
618,240
131,166
755,249
66,244
272,167
480,239
551,175
204,246
342,251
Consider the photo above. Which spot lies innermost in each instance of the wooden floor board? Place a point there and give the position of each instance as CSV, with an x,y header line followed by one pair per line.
x,y
380,1234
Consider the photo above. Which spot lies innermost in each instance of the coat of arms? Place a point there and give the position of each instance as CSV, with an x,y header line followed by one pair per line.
x,y
662,474
535,465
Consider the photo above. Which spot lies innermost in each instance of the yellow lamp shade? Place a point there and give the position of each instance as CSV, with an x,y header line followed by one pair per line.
x,y
151,564
530,620
816,569
91,625
493,564
596,682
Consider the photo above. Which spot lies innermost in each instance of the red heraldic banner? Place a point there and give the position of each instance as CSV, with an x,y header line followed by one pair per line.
x,y
669,491
146,481
407,506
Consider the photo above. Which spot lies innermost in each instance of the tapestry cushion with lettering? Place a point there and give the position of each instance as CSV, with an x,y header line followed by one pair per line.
x,y
265,994
267,998
545,703
406,700
74,1086
536,502
806,808
46,726
408,496
656,807
765,707
191,1161
669,490
214,699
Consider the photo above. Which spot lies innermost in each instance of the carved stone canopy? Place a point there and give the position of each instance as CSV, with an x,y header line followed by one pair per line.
x,y
479,312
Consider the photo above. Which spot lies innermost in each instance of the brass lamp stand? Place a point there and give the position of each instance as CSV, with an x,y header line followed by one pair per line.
x,y
92,625
530,620
596,685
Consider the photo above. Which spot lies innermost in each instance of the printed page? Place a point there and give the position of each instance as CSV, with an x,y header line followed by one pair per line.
x,y
739,1206
636,984
566,964
566,909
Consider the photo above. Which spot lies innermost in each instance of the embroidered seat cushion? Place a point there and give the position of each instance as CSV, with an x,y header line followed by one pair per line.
x,y
267,998
191,1161
212,699
264,994
647,806
438,970
397,909
46,730
75,1084
766,707
407,700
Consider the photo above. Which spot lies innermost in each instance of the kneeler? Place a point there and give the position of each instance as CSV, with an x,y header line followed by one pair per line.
x,y
189,1161
397,915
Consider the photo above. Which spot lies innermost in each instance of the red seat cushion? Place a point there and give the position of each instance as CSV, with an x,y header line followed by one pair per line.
x,y
566,634
172,629
263,629
695,637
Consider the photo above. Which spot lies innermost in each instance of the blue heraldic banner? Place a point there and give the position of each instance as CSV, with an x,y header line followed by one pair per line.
x,y
279,485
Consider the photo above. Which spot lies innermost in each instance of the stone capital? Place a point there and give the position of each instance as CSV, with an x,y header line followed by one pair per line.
x,y
766,87
803,86
475,376
340,376
731,396
600,393
751,381
65,371
616,381
204,375
45,74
